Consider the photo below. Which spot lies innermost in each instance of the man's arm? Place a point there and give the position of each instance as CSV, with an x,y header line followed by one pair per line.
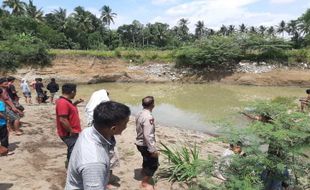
x,y
149,136
94,176
2,115
65,123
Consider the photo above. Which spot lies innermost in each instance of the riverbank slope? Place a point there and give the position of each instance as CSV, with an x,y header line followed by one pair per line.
x,y
89,69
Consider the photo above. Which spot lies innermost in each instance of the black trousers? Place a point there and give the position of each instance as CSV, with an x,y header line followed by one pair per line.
x,y
4,136
150,164
70,142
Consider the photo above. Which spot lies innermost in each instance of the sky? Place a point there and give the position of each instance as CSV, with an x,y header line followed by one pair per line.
x,y
214,13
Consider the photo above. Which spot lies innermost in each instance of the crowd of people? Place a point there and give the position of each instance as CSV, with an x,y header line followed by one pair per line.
x,y
92,152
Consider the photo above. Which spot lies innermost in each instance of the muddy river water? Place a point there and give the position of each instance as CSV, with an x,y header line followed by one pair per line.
x,y
191,106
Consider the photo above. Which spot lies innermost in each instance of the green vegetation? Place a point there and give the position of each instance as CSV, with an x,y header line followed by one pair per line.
x,y
275,151
82,30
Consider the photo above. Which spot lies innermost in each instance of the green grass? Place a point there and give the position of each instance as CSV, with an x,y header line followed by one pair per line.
x,y
137,56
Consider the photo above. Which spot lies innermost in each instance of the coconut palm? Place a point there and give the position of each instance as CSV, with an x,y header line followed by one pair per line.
x,y
281,28
183,29
33,12
17,6
83,19
253,30
200,29
304,23
231,29
60,16
271,31
262,29
242,28
107,16
223,30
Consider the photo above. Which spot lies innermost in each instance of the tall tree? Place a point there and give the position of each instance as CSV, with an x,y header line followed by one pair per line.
x,y
262,29
33,12
242,28
253,30
223,30
304,23
281,28
231,29
107,16
17,6
183,29
200,29
271,31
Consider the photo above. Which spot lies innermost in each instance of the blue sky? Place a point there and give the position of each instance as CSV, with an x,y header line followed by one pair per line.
x,y
214,13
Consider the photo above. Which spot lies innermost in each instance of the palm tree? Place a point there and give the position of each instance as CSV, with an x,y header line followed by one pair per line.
x,y
83,19
262,29
17,6
242,28
200,29
107,16
32,12
281,28
271,31
223,30
183,29
253,30
292,27
304,23
231,29
60,17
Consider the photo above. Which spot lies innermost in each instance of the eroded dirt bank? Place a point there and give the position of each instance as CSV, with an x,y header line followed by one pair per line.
x,y
87,70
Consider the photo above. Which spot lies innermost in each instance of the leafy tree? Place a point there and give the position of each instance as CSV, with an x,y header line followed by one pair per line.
x,y
17,6
107,16
262,29
281,27
231,29
183,29
253,30
32,12
304,22
242,28
200,29
223,30
271,31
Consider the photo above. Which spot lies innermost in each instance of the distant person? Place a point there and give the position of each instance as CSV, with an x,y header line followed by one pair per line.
x,y
4,135
53,87
26,91
226,158
96,98
89,164
45,97
13,114
12,90
67,117
145,141
39,89
304,102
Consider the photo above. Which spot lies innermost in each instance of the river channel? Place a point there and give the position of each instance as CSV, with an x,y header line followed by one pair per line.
x,y
191,106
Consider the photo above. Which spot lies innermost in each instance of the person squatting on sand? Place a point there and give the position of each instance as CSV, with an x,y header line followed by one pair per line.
x,y
89,166
13,114
96,98
67,117
145,141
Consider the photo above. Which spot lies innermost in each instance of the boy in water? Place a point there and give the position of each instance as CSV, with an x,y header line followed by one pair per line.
x,y
304,102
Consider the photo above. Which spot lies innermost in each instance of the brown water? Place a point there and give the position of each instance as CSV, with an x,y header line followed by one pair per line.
x,y
191,106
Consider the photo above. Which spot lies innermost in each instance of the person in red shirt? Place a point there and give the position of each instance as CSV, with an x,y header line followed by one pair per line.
x,y
67,117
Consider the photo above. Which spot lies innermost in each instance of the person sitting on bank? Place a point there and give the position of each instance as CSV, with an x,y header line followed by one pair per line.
x,y
89,165
304,102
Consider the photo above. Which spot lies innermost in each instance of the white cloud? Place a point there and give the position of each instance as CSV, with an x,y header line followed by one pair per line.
x,y
161,2
214,13
281,1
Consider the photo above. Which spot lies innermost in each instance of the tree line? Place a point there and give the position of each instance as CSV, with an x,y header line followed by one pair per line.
x,y
26,33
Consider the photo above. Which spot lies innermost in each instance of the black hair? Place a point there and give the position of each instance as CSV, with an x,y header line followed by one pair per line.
x,y
1,90
308,91
53,79
147,101
10,79
110,113
3,79
68,88
40,79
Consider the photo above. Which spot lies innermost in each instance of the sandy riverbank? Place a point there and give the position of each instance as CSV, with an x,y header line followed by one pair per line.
x,y
39,155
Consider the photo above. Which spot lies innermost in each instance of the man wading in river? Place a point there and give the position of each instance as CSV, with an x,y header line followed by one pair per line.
x,y
145,141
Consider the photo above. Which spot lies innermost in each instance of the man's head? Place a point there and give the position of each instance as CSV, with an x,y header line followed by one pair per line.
x,y
308,91
237,147
53,80
1,90
69,90
148,102
4,82
11,79
111,118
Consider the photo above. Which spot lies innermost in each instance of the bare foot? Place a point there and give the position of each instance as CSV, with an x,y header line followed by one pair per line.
x,y
110,186
18,133
146,186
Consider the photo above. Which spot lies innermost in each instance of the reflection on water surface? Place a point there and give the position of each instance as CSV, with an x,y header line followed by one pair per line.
x,y
190,106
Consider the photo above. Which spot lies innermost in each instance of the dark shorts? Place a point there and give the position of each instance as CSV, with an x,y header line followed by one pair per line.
x,y
40,95
70,142
27,94
150,164
4,136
